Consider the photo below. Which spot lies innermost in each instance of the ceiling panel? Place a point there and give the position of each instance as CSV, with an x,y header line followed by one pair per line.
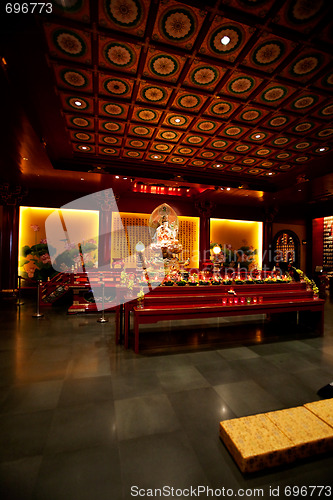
x,y
236,87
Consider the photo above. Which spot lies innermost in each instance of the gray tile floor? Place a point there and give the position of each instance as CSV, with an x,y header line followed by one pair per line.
x,y
83,419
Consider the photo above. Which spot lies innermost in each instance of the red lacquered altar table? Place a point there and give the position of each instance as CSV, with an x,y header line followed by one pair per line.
x,y
188,302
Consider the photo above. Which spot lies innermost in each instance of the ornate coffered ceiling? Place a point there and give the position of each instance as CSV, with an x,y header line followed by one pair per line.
x,y
149,84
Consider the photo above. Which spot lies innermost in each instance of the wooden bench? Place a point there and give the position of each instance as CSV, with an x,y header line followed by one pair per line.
x,y
155,313
172,295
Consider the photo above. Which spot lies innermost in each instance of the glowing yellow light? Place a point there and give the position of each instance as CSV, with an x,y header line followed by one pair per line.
x,y
86,222
234,232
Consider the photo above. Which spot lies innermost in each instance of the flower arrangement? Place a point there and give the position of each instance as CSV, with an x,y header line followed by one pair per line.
x,y
204,282
193,280
35,262
70,258
245,255
168,281
140,298
127,280
309,283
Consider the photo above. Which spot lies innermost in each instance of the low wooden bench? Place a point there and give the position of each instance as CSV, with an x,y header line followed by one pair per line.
x,y
210,294
155,313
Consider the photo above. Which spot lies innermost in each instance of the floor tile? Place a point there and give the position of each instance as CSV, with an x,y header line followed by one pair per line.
x,y
85,390
222,372
247,398
32,397
82,426
237,353
137,417
136,384
18,478
80,475
184,378
160,460
24,434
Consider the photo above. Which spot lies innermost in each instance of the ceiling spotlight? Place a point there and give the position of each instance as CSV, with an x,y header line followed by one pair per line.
x,y
221,189
124,178
117,176
228,189
82,179
84,147
218,165
270,173
225,40
299,190
320,149
78,103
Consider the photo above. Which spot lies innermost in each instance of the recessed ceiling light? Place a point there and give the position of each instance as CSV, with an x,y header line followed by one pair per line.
x,y
155,156
257,136
225,40
228,189
221,189
78,103
320,149
82,179
125,178
270,173
117,176
177,120
218,165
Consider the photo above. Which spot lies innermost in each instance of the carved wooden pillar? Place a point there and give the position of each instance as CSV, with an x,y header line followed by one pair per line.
x,y
107,205
268,250
205,209
10,199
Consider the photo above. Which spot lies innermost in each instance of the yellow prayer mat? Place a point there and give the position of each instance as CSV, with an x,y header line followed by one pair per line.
x,y
323,410
255,442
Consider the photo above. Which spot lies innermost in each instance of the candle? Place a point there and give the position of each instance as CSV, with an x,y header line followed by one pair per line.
x,y
248,300
224,301
235,300
254,300
260,300
231,300
242,300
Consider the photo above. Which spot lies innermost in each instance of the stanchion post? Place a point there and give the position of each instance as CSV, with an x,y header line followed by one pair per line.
x,y
102,318
37,313
19,302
